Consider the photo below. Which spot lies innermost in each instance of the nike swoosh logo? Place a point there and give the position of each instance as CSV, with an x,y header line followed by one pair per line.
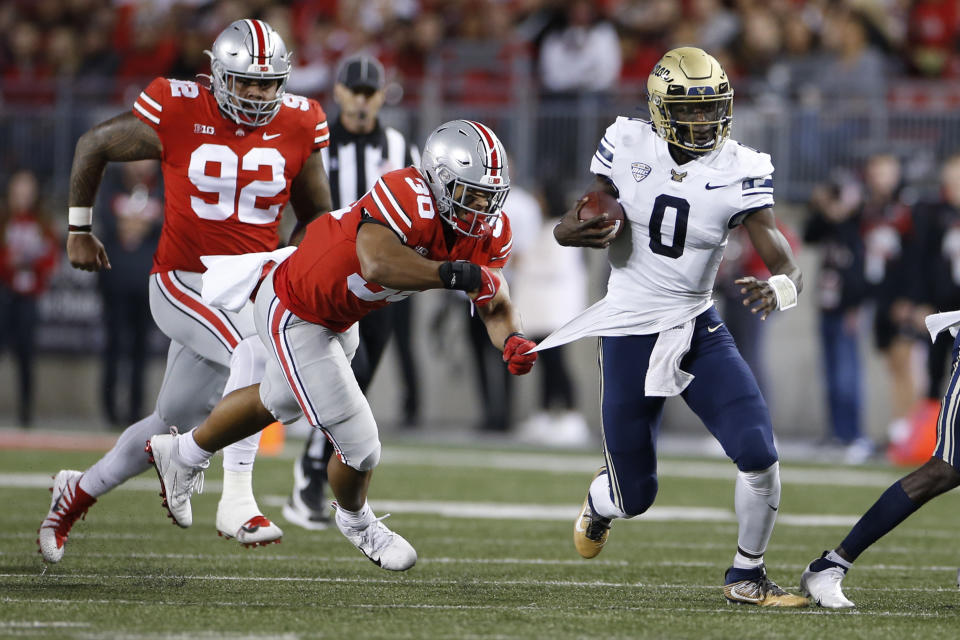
x,y
579,527
773,508
712,329
710,187
271,136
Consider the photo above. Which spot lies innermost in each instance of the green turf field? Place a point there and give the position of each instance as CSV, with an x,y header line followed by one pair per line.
x,y
493,532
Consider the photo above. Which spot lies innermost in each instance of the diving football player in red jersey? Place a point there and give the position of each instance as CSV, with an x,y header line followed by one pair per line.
x,y
232,156
436,226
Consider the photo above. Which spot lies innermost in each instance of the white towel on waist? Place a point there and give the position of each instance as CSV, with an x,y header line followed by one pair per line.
x,y
937,322
664,376
229,280
604,319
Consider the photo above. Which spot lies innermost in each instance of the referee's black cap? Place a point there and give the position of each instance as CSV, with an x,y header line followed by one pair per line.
x,y
361,71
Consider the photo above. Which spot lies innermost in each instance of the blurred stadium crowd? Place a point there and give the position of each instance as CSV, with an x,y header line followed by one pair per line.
x,y
569,64
829,87
776,43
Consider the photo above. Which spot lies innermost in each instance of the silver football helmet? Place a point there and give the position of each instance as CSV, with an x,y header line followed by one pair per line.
x,y
466,169
249,50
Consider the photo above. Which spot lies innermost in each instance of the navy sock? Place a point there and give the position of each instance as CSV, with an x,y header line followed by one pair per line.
x,y
736,575
893,507
824,562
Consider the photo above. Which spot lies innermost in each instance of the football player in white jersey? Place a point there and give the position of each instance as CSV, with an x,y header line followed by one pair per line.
x,y
684,184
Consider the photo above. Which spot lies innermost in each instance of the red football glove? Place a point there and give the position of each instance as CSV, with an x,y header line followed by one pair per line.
x,y
516,354
489,284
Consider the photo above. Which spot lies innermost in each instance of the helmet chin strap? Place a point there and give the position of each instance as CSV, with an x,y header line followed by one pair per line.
x,y
686,153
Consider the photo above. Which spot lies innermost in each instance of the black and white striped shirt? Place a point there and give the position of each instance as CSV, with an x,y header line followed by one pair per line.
x,y
355,162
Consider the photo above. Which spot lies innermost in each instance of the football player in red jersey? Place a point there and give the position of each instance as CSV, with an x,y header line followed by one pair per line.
x,y
232,156
436,226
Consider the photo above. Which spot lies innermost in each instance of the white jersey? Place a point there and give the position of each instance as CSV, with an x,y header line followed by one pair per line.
x,y
664,265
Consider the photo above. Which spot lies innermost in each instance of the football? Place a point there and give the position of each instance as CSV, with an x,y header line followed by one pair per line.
x,y
599,202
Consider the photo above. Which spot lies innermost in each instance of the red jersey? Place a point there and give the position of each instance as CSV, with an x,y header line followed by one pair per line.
x,y
28,254
321,281
225,185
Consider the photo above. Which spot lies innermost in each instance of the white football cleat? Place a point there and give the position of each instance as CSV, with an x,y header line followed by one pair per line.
x,y
69,502
823,587
178,481
385,548
242,520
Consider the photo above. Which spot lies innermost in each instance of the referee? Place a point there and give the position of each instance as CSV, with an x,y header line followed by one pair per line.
x,y
361,150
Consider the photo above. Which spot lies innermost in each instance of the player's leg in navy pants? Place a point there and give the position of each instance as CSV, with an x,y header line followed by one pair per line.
x,y
725,396
630,421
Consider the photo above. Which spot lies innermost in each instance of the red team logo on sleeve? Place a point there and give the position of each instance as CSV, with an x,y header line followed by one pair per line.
x,y
223,192
322,281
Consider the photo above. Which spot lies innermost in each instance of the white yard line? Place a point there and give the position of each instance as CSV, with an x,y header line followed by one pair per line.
x,y
192,635
45,481
348,559
555,513
403,579
582,464
354,559
555,463
487,510
44,624
357,559
563,513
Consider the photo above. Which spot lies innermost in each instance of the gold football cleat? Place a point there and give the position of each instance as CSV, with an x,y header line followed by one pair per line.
x,y
761,591
590,531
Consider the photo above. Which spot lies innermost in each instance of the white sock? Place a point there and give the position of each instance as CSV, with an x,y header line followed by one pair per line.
x,y
756,500
126,459
356,519
741,561
190,452
600,497
238,487
240,455
833,556
247,363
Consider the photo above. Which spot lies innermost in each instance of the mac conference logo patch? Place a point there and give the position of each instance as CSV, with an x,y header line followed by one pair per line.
x,y
640,170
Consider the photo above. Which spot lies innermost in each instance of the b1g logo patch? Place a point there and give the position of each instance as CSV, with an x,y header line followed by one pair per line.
x,y
640,170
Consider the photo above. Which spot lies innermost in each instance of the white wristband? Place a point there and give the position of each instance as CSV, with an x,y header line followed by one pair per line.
x,y
80,216
785,291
